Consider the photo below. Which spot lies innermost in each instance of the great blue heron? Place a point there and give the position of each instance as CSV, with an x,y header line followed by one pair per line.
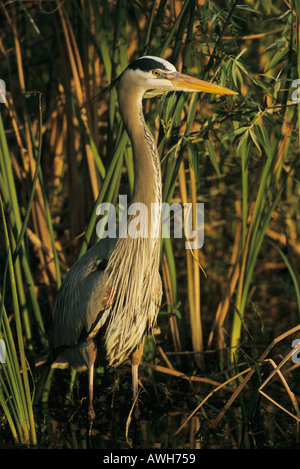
x,y
109,299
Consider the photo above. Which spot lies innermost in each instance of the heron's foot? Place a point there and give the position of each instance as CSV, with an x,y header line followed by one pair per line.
x,y
137,413
136,426
91,418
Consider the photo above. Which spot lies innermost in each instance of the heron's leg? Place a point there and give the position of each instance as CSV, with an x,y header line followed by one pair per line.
x,y
91,412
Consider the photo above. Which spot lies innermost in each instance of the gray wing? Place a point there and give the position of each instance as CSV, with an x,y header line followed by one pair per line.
x,y
82,295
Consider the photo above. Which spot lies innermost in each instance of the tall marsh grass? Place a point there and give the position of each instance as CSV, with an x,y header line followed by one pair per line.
x,y
239,155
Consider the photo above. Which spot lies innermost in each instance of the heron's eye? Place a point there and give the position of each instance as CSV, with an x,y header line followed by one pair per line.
x,y
156,73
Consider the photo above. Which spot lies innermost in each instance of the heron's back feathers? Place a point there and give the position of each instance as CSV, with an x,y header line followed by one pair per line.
x,y
82,296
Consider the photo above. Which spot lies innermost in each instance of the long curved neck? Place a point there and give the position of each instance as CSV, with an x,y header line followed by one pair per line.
x,y
147,174
134,262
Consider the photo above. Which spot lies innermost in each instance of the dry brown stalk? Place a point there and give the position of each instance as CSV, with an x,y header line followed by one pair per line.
x,y
232,279
196,379
170,301
29,164
250,371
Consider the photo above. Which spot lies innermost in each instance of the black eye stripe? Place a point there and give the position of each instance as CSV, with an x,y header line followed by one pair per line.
x,y
146,65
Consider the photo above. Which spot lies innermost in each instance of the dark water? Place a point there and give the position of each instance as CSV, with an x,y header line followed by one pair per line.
x,y
62,422
165,403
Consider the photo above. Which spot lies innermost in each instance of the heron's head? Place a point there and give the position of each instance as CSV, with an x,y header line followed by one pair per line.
x,y
155,73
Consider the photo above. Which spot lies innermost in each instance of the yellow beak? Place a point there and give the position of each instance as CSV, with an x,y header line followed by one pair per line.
x,y
186,83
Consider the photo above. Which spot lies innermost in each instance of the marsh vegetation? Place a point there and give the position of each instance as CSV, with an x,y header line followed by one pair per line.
x,y
219,372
